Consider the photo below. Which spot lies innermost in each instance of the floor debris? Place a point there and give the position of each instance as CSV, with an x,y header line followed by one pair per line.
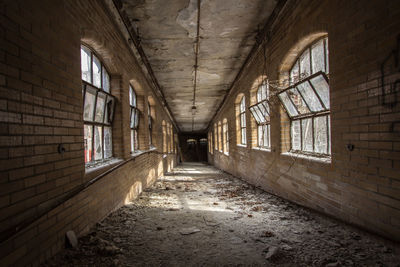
x,y
181,226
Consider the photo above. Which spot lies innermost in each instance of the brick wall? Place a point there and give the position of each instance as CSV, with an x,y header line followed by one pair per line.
x,y
360,186
41,107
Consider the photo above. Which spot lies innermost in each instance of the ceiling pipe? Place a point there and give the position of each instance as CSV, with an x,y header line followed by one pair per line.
x,y
196,60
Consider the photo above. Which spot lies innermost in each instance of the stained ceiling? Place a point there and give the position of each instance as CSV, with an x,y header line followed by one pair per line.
x,y
168,34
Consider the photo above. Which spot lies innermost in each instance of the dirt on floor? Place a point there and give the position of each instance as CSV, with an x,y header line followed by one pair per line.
x,y
200,216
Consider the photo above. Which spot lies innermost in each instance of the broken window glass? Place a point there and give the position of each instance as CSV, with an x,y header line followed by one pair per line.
x,y
298,101
96,72
88,135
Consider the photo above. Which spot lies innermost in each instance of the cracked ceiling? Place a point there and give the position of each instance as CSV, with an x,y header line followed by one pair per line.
x,y
168,31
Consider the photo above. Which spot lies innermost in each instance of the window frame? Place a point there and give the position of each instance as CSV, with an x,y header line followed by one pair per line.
x,y
135,125
242,114
150,124
311,112
261,114
225,136
108,108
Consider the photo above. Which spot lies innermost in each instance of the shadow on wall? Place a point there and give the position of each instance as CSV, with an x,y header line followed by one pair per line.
x,y
193,147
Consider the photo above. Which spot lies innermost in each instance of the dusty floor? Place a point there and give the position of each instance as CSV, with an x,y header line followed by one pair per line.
x,y
200,216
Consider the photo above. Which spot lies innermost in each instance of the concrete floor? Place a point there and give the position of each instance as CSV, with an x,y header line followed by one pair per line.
x,y
198,215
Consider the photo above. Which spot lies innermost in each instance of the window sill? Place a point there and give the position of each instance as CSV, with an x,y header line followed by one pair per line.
x,y
240,145
226,153
316,158
262,149
95,168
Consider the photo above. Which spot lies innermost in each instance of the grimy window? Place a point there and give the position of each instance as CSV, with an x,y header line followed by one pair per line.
x,y
98,107
260,112
215,137
150,121
306,101
134,118
225,135
242,120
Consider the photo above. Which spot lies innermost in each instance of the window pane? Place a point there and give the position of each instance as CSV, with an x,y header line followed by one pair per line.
x,y
294,73
288,104
132,140
132,97
320,134
266,135
266,106
106,81
243,136
296,135
98,147
88,135
322,88
305,64
318,57
260,114
326,55
132,122
309,96
88,109
243,120
242,105
96,72
101,100
307,135
255,115
260,135
107,142
85,64
329,134
136,119
298,101
262,107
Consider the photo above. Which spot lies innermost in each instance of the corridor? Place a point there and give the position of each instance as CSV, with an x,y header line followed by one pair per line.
x,y
197,215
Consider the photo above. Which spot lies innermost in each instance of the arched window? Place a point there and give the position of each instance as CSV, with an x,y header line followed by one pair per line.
x,y
150,121
260,112
98,107
306,100
134,118
164,133
225,136
215,137
242,121
220,136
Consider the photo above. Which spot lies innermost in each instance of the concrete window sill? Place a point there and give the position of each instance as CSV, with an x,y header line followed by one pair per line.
x,y
240,145
96,168
262,149
326,160
226,153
